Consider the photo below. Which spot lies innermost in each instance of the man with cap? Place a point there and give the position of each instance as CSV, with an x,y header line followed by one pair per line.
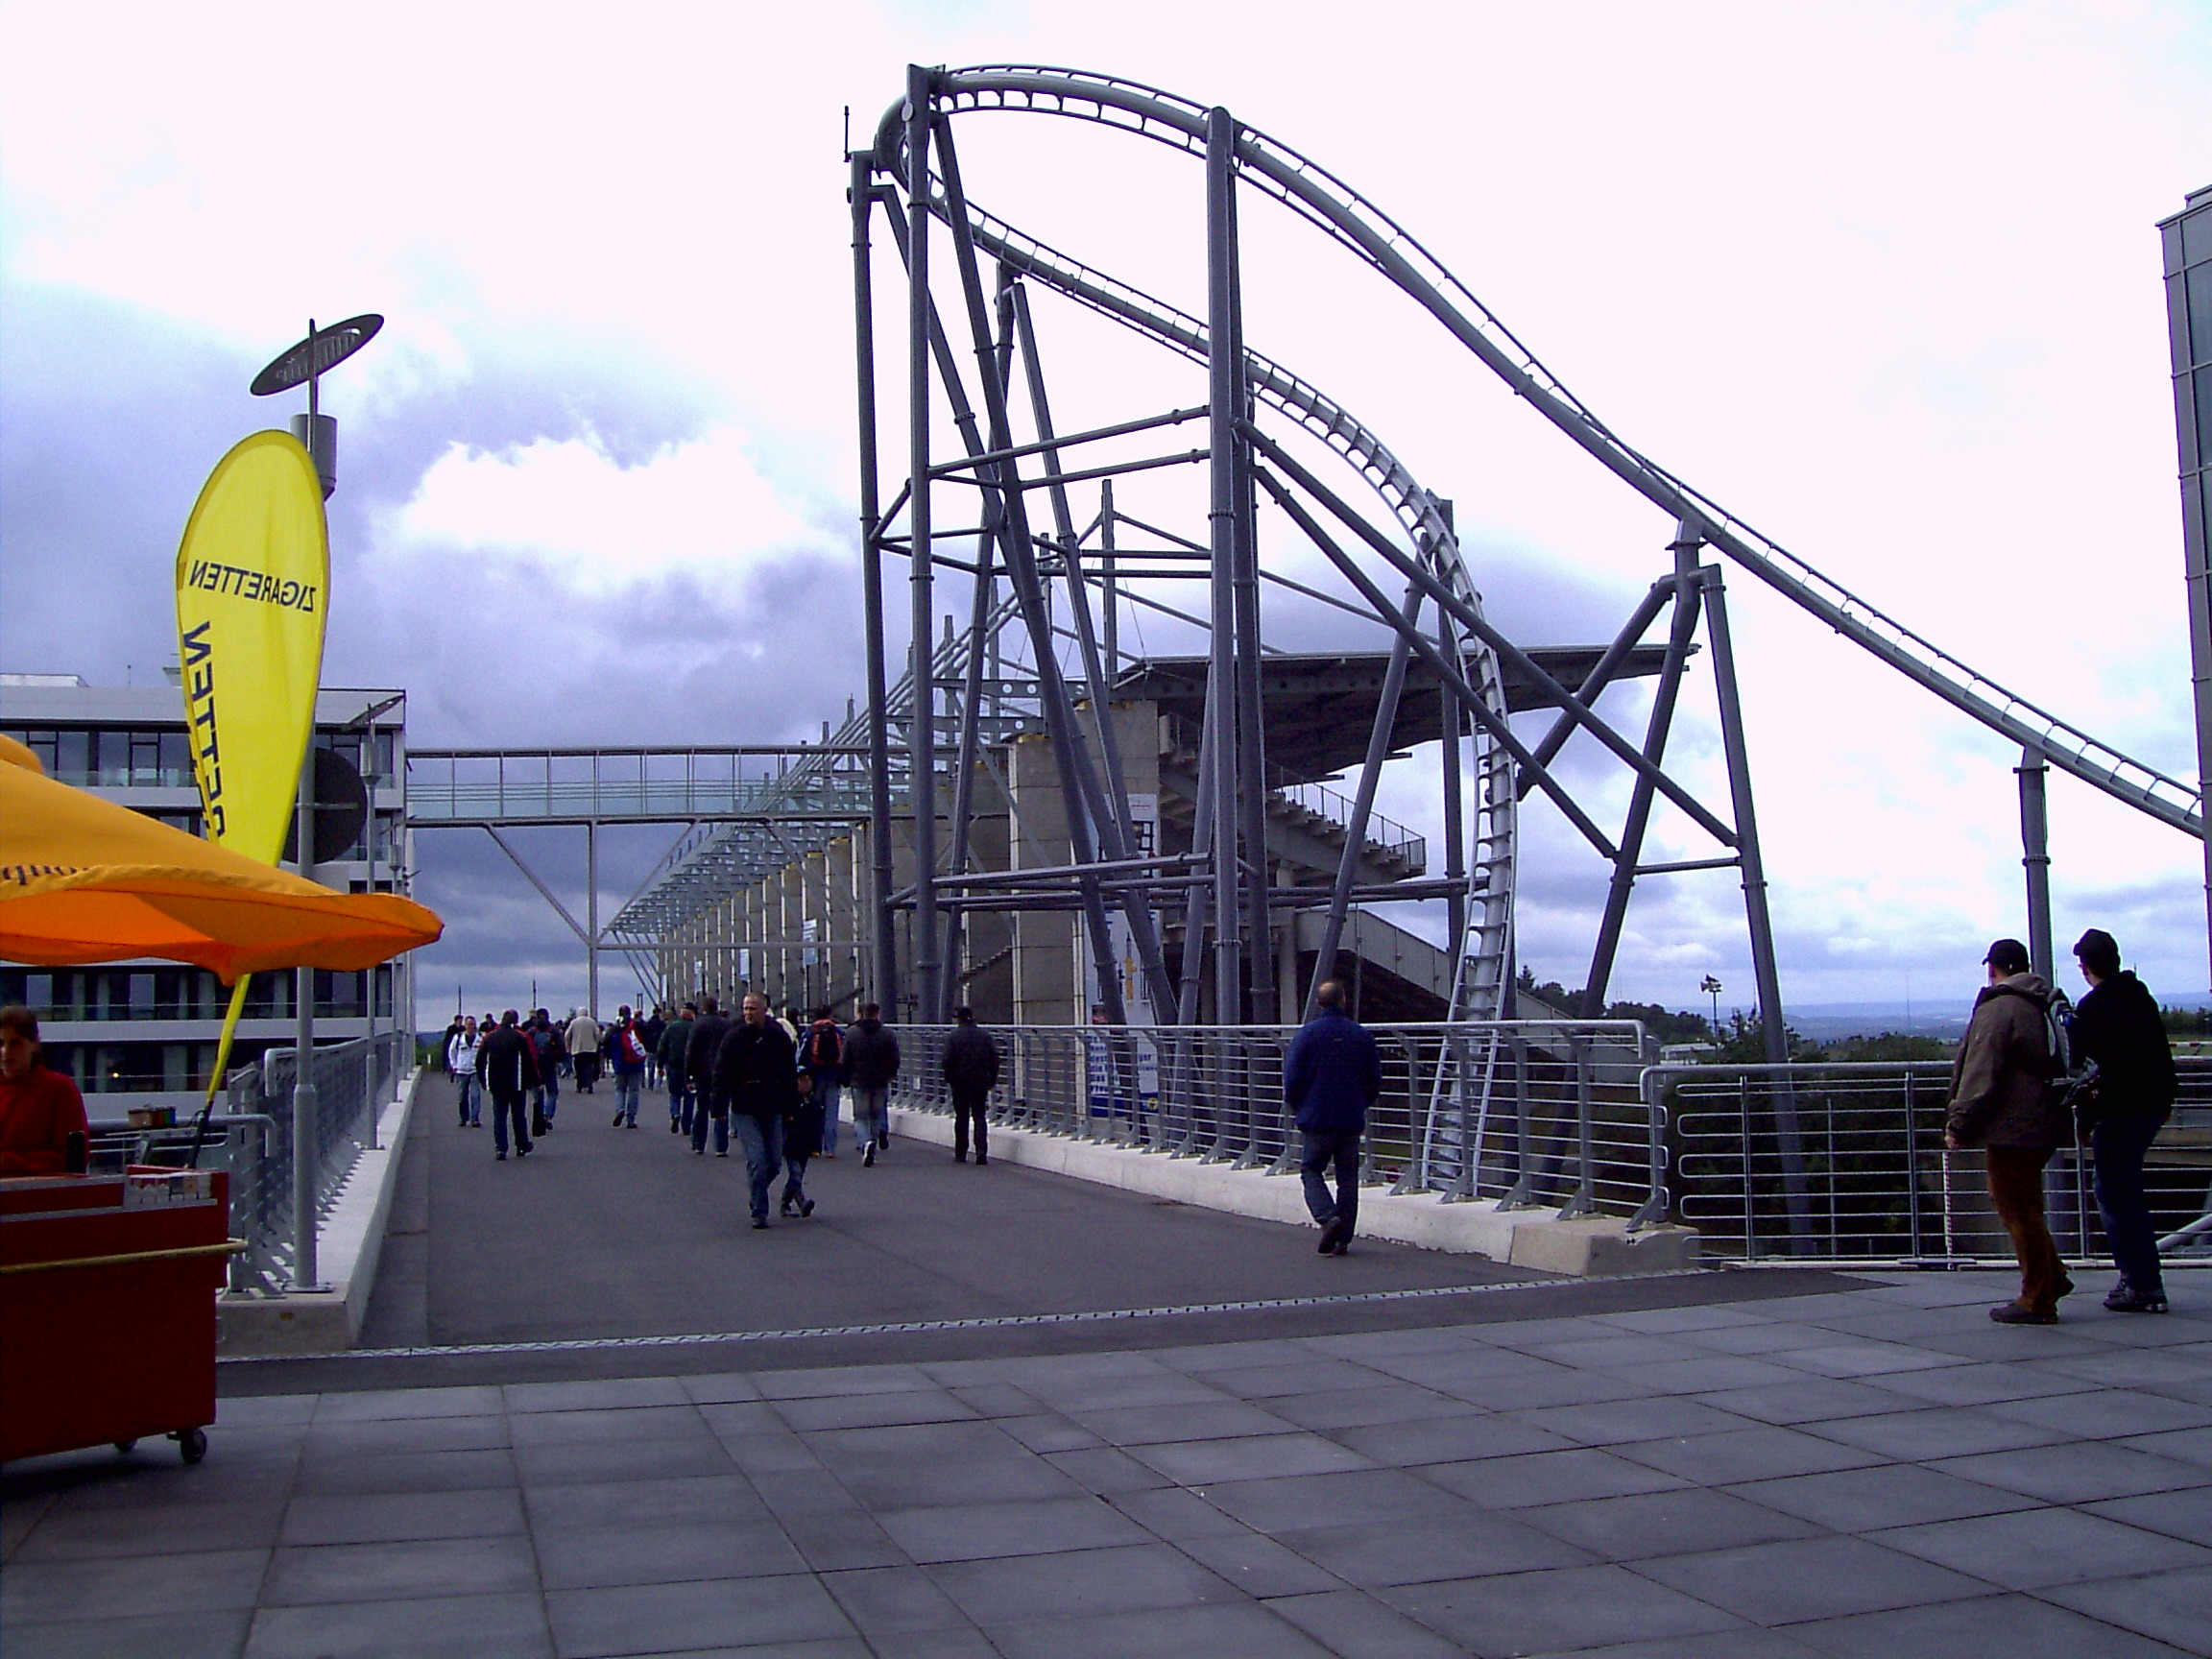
x,y
2117,1027
2002,1100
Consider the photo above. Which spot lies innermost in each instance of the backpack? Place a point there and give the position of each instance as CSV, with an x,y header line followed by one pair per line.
x,y
824,1051
632,1050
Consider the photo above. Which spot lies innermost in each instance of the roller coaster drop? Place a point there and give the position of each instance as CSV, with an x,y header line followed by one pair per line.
x,y
1405,575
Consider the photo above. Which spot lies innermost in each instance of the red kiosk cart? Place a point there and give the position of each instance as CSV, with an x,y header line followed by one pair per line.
x,y
107,1290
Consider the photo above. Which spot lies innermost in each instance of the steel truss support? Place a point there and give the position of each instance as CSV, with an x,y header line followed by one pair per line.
x,y
884,968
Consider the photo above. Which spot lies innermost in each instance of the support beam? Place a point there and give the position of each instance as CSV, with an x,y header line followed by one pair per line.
x,y
922,727
2035,859
883,972
1225,407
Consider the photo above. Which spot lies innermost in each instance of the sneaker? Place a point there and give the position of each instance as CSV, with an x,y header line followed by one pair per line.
x,y
868,1158
760,1223
617,1120
2126,1299
980,1159
522,1151
2012,1313
1343,1247
785,1208
721,1154
805,1207
498,1157
674,1127
883,1141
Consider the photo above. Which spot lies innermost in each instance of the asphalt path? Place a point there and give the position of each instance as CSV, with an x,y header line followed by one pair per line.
x,y
613,1237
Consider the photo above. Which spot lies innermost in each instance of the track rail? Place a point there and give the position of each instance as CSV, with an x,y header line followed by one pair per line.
x,y
1361,227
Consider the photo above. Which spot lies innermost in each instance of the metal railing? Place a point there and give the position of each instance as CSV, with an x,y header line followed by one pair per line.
x,y
1871,1179
353,1080
1532,1114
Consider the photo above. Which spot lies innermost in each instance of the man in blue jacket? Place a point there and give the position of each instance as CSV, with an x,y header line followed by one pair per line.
x,y
1331,1076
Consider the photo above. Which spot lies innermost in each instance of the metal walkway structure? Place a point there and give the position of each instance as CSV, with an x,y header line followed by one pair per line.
x,y
1019,524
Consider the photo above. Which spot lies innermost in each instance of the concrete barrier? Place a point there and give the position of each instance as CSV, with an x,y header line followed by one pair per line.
x,y
351,1240
1586,1246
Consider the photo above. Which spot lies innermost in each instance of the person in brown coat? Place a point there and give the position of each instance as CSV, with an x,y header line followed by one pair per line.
x,y
2002,1100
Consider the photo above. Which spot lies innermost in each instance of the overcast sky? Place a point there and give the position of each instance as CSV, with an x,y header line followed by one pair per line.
x,y
1882,279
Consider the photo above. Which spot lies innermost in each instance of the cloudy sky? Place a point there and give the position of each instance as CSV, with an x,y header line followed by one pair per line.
x,y
1883,279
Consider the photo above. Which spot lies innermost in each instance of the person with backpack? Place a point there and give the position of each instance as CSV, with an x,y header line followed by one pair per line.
x,y
822,1056
674,1037
583,1048
871,1061
2118,1030
546,1044
2005,1100
625,1047
699,1054
971,1068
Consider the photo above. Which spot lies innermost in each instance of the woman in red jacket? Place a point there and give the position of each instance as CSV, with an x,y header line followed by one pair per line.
x,y
39,1108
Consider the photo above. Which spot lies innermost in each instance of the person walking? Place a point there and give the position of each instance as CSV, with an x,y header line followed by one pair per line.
x,y
822,1055
582,1038
546,1044
871,1061
971,1068
756,1072
507,1067
709,1103
625,1048
1331,1077
2002,1101
2118,1029
651,1029
460,1066
675,1035
801,1140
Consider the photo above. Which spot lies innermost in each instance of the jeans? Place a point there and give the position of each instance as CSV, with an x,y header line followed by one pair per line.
x,y
1324,1147
679,1099
870,1114
550,1094
794,1180
762,1141
2016,1189
471,1098
717,1112
504,1105
969,1108
826,1091
2119,1145
626,1095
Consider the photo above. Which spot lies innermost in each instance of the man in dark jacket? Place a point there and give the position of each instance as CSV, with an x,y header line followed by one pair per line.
x,y
757,1072
546,1047
2002,1100
707,1034
675,1039
507,1066
652,1028
2117,1027
971,1068
871,1061
1331,1076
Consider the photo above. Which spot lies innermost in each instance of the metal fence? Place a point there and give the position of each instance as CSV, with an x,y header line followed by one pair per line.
x,y
1846,1162
1534,1113
252,1138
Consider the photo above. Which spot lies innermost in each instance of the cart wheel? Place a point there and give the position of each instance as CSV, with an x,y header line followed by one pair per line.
x,y
191,1445
125,1445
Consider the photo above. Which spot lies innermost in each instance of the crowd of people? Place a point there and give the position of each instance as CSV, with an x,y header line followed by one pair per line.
x,y
773,1083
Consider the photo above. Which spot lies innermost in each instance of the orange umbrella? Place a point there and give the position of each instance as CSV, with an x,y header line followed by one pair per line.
x,y
83,879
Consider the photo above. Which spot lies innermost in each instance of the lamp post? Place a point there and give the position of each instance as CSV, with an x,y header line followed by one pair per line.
x,y
323,351
1711,988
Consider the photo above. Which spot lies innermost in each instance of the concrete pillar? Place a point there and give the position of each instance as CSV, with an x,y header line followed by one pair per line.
x,y
1045,982
845,974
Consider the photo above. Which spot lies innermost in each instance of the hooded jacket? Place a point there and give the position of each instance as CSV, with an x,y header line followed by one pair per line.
x,y
2001,1093
2117,1025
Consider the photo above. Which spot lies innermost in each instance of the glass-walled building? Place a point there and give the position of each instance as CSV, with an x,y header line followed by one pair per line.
x,y
2187,239
144,1033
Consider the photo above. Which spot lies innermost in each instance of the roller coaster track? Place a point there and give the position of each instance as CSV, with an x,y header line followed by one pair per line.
x,y
1355,223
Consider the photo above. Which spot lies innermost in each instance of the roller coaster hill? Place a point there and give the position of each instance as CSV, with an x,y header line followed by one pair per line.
x,y
1027,816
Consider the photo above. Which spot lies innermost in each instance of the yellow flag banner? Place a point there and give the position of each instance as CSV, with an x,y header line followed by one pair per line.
x,y
252,585
252,591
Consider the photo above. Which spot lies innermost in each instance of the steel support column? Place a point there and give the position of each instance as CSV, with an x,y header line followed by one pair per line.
x,y
2035,859
1224,408
884,976
922,726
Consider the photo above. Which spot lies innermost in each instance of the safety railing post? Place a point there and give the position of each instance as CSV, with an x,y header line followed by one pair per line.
x,y
1584,1199
1913,1159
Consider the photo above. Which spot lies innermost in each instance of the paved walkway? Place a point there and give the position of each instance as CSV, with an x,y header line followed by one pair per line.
x,y
1768,1464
